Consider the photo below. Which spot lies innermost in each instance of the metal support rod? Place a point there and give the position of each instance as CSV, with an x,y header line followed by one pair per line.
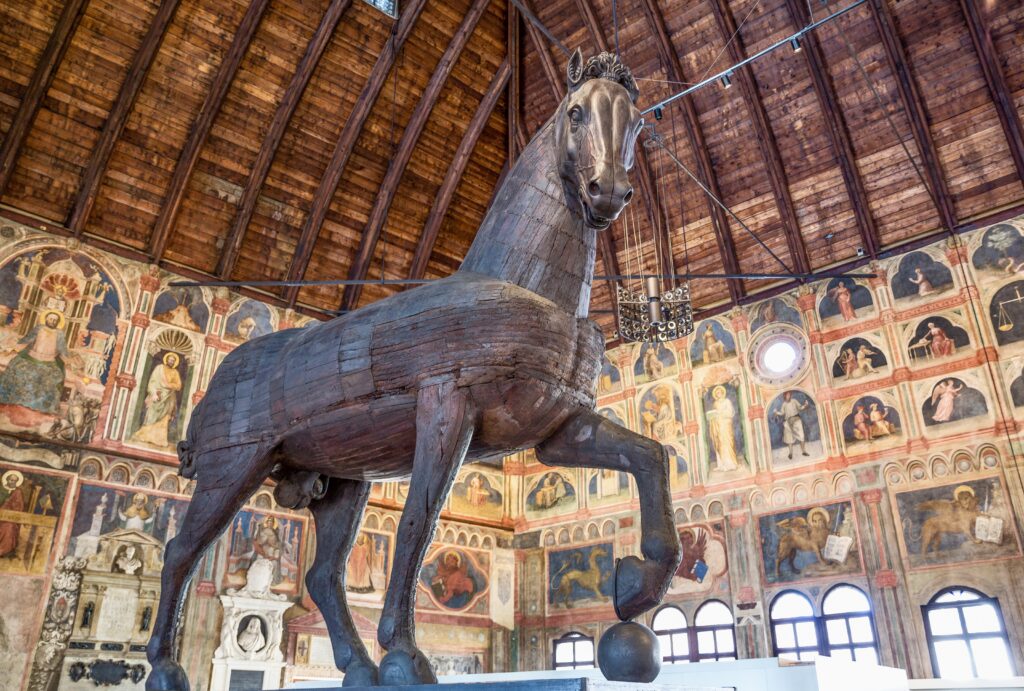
x,y
729,70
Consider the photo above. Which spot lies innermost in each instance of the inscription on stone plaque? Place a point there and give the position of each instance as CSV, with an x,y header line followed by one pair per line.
x,y
245,680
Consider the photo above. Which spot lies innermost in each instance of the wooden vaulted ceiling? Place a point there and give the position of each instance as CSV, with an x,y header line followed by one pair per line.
x,y
319,139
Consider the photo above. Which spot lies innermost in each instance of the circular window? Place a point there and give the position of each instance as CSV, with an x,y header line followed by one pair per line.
x,y
778,355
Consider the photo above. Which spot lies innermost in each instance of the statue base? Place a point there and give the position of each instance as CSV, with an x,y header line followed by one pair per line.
x,y
558,684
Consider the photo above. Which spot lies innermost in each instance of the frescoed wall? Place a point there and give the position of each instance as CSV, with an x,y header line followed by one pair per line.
x,y
889,462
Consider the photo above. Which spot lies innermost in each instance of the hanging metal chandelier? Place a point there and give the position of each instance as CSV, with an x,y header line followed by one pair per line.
x,y
652,317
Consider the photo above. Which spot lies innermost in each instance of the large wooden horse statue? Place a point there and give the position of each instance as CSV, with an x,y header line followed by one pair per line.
x,y
496,358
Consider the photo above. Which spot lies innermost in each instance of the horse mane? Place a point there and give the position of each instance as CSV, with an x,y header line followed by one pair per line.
x,y
608,66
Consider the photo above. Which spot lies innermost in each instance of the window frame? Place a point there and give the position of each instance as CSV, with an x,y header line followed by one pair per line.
x,y
846,616
691,630
697,629
960,605
572,638
792,622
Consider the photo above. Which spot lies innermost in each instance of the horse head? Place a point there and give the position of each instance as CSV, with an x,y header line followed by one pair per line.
x,y
596,127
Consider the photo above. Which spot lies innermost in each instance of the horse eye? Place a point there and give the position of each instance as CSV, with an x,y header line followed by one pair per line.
x,y
576,115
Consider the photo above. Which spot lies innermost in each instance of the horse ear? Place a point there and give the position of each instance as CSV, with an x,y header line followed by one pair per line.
x,y
574,71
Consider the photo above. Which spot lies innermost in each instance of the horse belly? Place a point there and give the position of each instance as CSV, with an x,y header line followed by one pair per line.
x,y
372,439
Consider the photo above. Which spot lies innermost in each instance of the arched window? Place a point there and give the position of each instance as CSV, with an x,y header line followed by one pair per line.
x,y
849,628
716,634
670,626
794,626
966,635
574,651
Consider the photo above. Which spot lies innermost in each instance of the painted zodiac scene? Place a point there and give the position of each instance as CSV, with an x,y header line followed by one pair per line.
x,y
888,463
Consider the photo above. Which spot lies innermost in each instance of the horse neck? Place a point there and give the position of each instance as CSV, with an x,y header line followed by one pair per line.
x,y
531,236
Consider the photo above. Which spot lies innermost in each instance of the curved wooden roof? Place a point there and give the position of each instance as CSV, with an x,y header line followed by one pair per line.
x,y
320,139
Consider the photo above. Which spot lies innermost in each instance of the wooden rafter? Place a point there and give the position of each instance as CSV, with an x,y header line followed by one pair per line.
x,y
411,135
293,93
765,136
656,214
346,144
202,126
455,170
37,87
604,239
695,135
89,189
512,38
1009,118
835,128
913,106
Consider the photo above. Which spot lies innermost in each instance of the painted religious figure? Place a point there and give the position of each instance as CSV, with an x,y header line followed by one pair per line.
x,y
655,361
30,504
724,429
842,300
794,428
551,491
712,343
800,544
960,523
476,495
951,400
858,358
580,576
368,565
936,337
34,378
180,307
610,379
704,564
920,276
1001,250
453,578
660,413
607,484
264,552
249,320
163,398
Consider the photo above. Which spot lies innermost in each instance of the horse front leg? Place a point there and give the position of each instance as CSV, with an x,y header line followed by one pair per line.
x,y
589,440
444,427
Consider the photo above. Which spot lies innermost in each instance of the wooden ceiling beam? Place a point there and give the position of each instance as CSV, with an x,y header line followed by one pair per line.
x,y
835,128
410,137
453,175
765,136
656,213
346,144
1006,109
695,135
513,41
272,140
89,189
37,87
201,128
913,106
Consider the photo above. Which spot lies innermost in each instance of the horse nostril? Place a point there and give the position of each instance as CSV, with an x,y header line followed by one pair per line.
x,y
594,188
627,196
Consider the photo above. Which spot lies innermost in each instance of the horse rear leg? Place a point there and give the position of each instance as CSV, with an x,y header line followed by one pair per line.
x,y
337,517
444,427
224,480
589,440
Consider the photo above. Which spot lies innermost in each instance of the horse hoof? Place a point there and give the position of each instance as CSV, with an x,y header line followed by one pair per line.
x,y
399,668
360,674
166,675
639,585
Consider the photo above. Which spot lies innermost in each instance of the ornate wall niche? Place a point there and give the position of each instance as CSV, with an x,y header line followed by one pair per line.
x,y
858,358
843,300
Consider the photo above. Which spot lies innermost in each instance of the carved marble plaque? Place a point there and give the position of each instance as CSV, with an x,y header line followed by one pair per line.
x,y
116,620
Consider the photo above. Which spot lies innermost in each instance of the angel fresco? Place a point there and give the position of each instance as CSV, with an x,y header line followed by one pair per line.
x,y
178,307
951,400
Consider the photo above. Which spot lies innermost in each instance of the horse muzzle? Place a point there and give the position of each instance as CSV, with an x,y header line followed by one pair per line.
x,y
605,196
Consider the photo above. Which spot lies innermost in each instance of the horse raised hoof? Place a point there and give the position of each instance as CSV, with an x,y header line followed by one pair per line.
x,y
166,675
399,668
639,585
359,674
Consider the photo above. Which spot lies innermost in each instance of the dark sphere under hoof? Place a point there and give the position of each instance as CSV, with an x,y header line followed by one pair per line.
x,y
629,651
